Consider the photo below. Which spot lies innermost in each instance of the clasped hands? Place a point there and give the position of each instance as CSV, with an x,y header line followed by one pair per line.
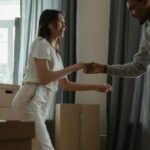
x,y
94,68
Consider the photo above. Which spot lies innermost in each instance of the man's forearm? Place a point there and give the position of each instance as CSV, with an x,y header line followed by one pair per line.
x,y
130,70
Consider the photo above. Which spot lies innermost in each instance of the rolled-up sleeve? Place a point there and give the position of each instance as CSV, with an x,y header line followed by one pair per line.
x,y
140,62
41,49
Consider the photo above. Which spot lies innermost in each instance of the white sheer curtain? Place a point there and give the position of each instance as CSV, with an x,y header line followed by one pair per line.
x,y
30,12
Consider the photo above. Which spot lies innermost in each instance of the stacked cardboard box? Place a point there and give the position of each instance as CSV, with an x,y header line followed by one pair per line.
x,y
7,93
16,135
77,127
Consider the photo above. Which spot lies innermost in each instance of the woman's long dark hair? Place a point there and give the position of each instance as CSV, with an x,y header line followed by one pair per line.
x,y
46,18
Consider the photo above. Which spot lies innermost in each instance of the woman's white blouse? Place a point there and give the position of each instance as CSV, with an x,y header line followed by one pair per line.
x,y
40,48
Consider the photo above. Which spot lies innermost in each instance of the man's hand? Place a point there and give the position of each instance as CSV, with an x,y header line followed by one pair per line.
x,y
94,68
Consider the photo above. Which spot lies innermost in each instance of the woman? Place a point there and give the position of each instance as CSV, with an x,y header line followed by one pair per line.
x,y
43,73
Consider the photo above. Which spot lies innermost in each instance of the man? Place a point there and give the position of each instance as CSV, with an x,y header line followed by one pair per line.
x,y
140,9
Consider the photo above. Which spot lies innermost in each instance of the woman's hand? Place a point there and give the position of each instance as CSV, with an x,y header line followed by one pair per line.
x,y
82,65
104,88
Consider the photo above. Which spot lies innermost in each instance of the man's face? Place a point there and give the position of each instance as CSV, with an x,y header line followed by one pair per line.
x,y
139,10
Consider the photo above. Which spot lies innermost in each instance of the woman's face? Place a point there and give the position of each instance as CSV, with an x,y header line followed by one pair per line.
x,y
58,28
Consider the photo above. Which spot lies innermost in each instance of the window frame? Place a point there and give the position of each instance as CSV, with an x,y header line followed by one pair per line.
x,y
10,25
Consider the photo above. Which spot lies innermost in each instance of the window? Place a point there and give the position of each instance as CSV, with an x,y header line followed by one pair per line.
x,y
9,10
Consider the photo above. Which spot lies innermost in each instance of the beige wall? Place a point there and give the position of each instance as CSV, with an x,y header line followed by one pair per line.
x,y
92,45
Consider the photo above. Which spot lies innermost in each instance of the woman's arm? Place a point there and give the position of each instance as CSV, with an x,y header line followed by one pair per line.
x,y
72,86
46,76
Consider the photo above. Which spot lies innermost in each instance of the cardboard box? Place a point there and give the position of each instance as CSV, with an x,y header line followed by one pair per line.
x,y
7,93
16,135
6,114
77,127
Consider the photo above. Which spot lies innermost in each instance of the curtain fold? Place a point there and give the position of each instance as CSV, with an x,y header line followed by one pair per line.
x,y
68,47
128,108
